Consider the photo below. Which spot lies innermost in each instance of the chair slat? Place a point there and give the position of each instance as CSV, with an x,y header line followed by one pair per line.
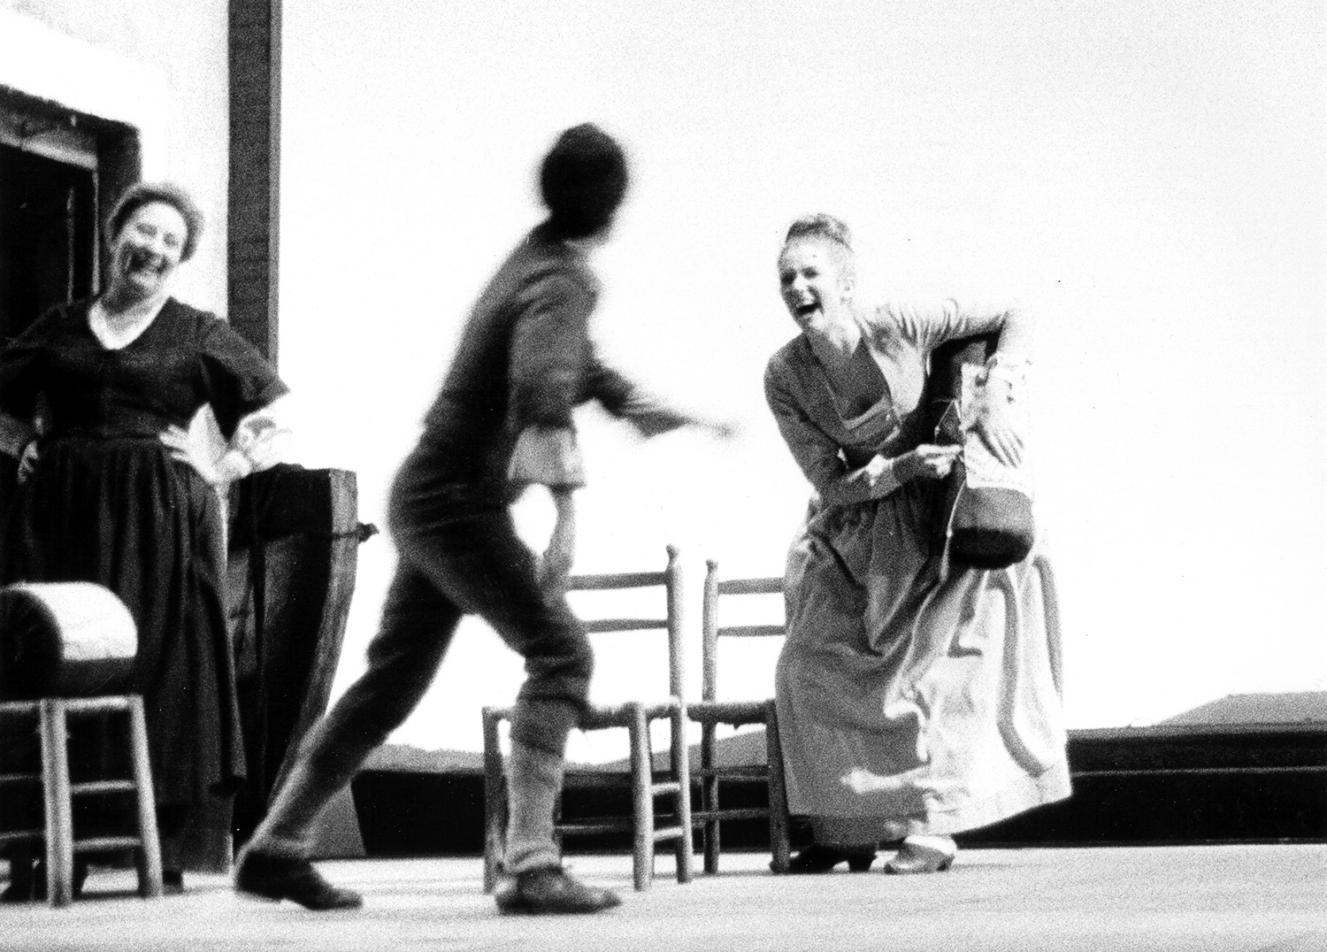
x,y
735,813
19,836
98,843
734,713
734,772
603,583
102,786
97,705
606,625
750,631
20,778
593,827
18,708
751,586
599,716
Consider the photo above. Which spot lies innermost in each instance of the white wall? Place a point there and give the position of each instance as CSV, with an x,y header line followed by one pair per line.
x,y
1149,181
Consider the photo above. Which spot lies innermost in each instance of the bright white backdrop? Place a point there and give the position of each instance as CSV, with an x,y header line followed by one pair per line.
x,y
1148,180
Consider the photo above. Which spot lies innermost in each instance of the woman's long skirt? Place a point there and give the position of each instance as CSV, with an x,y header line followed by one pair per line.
x,y
912,697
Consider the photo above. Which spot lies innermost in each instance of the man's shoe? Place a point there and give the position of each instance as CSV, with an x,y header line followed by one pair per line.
x,y
550,890
822,859
284,877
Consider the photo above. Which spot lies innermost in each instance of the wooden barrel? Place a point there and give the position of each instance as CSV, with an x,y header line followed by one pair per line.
x,y
64,639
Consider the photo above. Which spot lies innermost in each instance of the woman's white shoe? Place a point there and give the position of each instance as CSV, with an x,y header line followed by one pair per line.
x,y
923,854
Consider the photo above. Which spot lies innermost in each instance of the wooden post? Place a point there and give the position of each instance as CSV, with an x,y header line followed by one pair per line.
x,y
255,171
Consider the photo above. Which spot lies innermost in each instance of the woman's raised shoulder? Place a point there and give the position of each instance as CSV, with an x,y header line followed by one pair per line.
x,y
783,361
886,320
917,322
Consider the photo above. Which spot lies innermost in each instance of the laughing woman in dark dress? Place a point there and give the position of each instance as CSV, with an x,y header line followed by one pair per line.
x,y
96,402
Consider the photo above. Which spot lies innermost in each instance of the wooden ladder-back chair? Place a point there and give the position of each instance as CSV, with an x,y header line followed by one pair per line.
x,y
710,712
635,717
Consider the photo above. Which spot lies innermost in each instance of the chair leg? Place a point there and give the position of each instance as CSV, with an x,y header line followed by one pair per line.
x,y
495,800
149,850
682,774
709,799
59,810
778,791
642,799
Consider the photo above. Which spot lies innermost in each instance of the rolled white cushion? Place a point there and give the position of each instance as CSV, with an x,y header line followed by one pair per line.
x,y
64,639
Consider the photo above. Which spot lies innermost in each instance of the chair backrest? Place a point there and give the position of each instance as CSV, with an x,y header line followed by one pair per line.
x,y
669,620
712,630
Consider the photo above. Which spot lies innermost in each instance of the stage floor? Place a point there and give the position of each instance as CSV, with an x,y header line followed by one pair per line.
x,y
1199,898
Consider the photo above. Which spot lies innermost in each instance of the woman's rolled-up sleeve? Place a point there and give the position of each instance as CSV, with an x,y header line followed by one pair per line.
x,y
237,380
930,325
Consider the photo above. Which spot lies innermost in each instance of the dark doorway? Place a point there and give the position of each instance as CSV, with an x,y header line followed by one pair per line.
x,y
48,239
57,169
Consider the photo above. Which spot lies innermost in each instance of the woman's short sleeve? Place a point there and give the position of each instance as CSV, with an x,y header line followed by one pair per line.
x,y
237,378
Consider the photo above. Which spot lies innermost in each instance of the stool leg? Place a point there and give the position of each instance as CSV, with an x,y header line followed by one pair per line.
x,y
149,850
59,810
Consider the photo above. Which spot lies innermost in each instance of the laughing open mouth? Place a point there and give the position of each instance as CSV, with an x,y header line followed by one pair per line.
x,y
145,262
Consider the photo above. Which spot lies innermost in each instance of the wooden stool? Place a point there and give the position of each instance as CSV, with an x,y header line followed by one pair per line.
x,y
52,715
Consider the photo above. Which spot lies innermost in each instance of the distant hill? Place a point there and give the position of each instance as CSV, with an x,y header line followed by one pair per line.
x,y
744,748
1295,707
748,747
407,759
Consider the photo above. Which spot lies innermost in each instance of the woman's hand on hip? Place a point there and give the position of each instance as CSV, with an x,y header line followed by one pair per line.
x,y
927,461
27,460
190,446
